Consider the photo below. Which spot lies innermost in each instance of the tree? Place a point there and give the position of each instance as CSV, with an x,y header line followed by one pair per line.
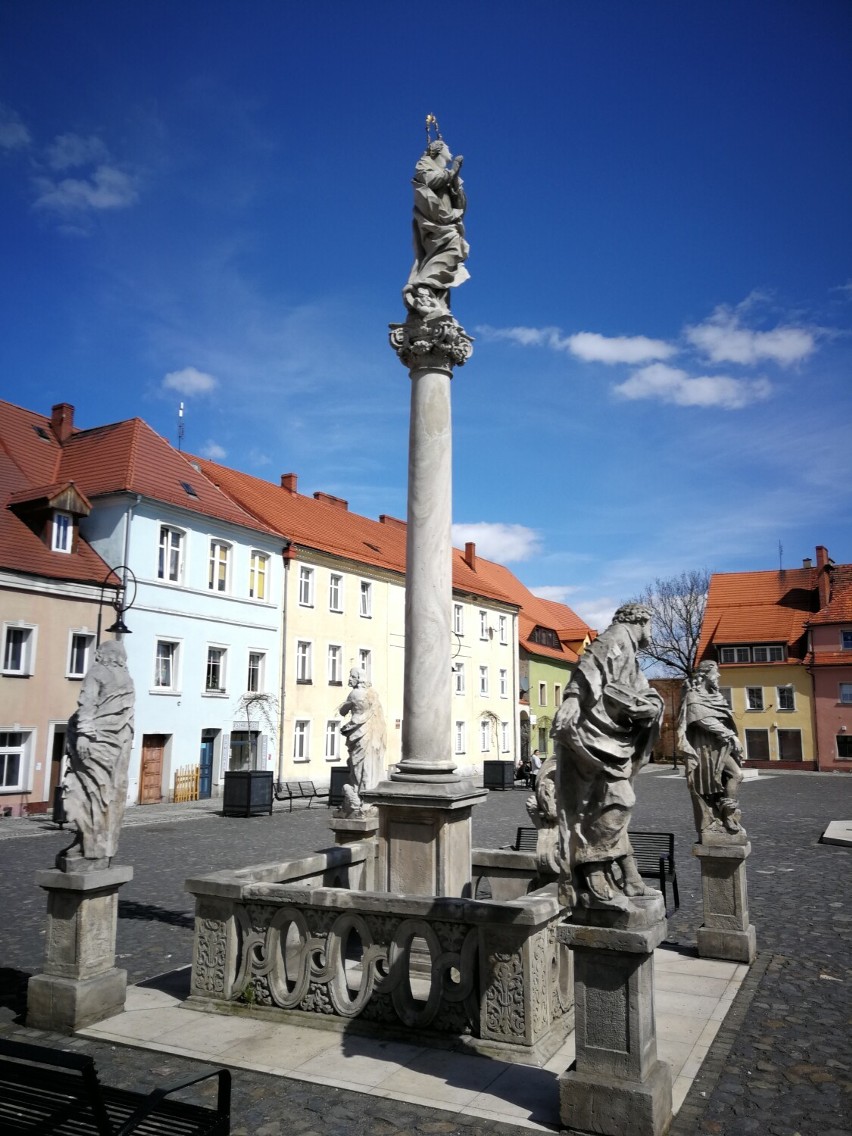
x,y
677,604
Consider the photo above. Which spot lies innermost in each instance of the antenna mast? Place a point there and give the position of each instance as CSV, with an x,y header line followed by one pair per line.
x,y
181,427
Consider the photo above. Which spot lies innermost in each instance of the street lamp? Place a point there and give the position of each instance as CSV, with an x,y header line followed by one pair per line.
x,y
120,603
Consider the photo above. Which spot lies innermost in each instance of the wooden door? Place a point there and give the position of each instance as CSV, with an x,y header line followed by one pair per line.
x,y
151,773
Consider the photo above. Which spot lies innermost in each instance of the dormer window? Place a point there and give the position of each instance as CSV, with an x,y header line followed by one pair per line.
x,y
63,532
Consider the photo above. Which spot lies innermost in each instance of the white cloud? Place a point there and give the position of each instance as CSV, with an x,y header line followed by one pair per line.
x,y
107,188
598,612
213,451
587,345
501,542
70,150
190,381
670,384
596,348
557,592
13,133
723,339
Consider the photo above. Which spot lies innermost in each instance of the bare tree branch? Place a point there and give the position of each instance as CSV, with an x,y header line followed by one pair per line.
x,y
678,605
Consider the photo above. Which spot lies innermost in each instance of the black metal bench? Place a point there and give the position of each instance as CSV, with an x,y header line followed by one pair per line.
x,y
44,1091
299,791
526,839
655,859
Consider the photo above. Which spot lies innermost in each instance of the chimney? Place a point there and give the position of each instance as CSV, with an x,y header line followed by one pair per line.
x,y
330,499
470,555
395,522
807,562
289,481
824,578
62,420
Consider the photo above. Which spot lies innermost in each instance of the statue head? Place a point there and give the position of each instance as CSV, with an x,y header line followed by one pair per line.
x,y
439,151
707,673
111,653
637,615
355,677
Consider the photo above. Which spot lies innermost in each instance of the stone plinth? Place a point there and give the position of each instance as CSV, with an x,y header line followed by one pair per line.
x,y
617,1084
352,830
726,933
80,983
424,838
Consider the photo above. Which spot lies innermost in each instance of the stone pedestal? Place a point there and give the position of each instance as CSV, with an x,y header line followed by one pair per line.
x,y
424,845
80,983
726,933
354,829
617,1084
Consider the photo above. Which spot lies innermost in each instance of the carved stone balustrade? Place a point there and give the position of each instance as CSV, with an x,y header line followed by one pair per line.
x,y
299,939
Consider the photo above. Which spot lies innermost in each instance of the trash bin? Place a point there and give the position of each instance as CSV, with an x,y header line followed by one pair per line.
x,y
339,776
247,792
60,816
498,774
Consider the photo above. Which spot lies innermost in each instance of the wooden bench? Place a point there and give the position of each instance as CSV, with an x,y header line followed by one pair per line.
x,y
299,791
655,859
47,1091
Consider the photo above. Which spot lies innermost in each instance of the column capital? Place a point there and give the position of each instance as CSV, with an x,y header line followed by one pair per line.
x,y
436,342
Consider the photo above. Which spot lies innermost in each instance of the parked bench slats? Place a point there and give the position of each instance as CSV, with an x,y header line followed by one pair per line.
x,y
655,859
526,839
299,791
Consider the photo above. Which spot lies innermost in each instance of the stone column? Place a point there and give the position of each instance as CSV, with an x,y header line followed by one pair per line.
x,y
80,983
617,1083
726,933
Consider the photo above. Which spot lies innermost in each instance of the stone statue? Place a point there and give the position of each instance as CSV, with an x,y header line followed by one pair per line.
x,y
431,337
365,739
541,807
708,743
608,721
100,733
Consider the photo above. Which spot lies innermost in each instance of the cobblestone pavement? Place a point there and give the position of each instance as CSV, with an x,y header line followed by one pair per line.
x,y
780,1065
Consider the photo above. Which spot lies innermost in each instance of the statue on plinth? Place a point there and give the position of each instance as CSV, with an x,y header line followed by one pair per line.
x,y
542,810
707,741
430,335
366,739
99,737
605,728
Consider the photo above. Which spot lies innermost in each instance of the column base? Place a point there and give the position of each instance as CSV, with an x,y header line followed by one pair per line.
x,y
737,946
69,1004
598,1105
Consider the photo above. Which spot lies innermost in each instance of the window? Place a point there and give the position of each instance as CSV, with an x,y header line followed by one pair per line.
x,y
743,654
485,735
335,592
18,650
165,666
557,695
458,671
365,663
786,697
303,661
63,531
302,740
483,680
504,624
366,607
13,750
542,694
844,747
256,667
332,740
458,619
220,565
78,655
258,566
460,737
214,682
335,665
483,625
546,636
754,698
170,562
846,693
542,740
757,745
504,737
504,683
790,745
846,640
306,586
768,654
725,691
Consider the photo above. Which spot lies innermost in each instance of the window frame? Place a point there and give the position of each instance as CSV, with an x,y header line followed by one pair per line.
x,y
260,672
844,688
847,738
216,667
753,734
365,599
73,635
166,550
62,525
219,566
483,681
505,742
22,751
845,639
29,640
173,687
302,741
503,624
460,738
542,694
504,682
334,664
753,695
335,585
780,693
332,739
458,677
790,733
458,618
484,735
304,662
258,575
365,663
306,585
483,624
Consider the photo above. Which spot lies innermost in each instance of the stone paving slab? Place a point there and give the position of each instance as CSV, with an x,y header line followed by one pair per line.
x,y
839,832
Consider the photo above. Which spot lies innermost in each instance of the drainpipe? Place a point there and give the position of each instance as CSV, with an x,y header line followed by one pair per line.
x,y
287,555
127,519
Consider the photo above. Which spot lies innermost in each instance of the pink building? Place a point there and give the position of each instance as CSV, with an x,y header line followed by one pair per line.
x,y
829,661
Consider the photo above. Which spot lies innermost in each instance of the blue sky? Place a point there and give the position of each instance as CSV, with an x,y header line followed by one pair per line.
x,y
209,201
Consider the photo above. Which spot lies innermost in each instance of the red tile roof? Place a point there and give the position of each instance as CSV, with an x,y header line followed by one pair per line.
x,y
839,607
